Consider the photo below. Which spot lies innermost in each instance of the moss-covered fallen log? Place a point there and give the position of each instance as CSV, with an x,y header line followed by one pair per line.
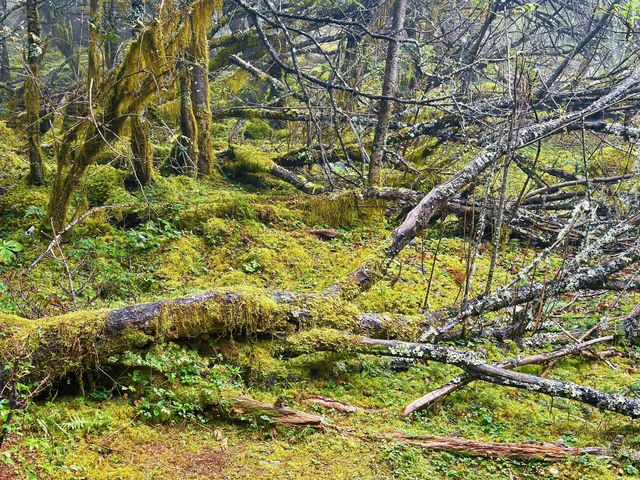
x,y
50,348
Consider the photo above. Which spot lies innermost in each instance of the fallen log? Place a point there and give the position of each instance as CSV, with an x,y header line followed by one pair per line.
x,y
81,340
437,395
471,363
243,406
547,452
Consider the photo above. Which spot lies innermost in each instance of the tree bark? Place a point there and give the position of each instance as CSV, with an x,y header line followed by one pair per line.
x,y
5,72
185,156
142,152
94,64
389,88
546,452
201,25
33,57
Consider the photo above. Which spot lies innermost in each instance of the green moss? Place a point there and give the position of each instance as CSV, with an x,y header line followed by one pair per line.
x,y
320,339
339,210
257,130
181,261
249,160
104,185
217,231
20,196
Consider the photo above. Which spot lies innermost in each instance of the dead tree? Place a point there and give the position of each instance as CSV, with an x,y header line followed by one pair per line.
x,y
389,88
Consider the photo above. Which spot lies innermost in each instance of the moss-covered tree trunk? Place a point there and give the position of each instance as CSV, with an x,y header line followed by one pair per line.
x,y
110,35
185,152
141,150
94,63
5,72
33,55
63,40
140,145
201,25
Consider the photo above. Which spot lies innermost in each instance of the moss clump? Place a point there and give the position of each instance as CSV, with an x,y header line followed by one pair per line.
x,y
20,196
320,339
246,160
233,311
217,231
611,161
339,210
257,130
180,262
104,185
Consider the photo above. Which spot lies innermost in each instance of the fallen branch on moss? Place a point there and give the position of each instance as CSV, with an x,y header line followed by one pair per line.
x,y
332,404
470,362
547,452
437,395
243,406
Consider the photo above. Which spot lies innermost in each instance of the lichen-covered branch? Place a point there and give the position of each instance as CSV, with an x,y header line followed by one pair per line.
x,y
471,363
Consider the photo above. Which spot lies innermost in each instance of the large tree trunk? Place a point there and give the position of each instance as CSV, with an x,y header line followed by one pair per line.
x,y
81,340
84,339
33,57
389,88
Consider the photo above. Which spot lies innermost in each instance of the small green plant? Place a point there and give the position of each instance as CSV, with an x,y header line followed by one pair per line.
x,y
9,250
151,234
174,384
252,266
34,211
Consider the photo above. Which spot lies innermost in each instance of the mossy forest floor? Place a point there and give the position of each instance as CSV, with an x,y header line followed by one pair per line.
x,y
141,417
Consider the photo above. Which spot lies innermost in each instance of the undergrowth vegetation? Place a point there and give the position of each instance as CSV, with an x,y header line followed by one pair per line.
x,y
165,412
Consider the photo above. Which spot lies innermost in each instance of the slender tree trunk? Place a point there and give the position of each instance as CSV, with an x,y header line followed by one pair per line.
x,y
63,40
201,24
389,88
5,73
140,145
33,56
93,51
185,154
110,42
142,152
